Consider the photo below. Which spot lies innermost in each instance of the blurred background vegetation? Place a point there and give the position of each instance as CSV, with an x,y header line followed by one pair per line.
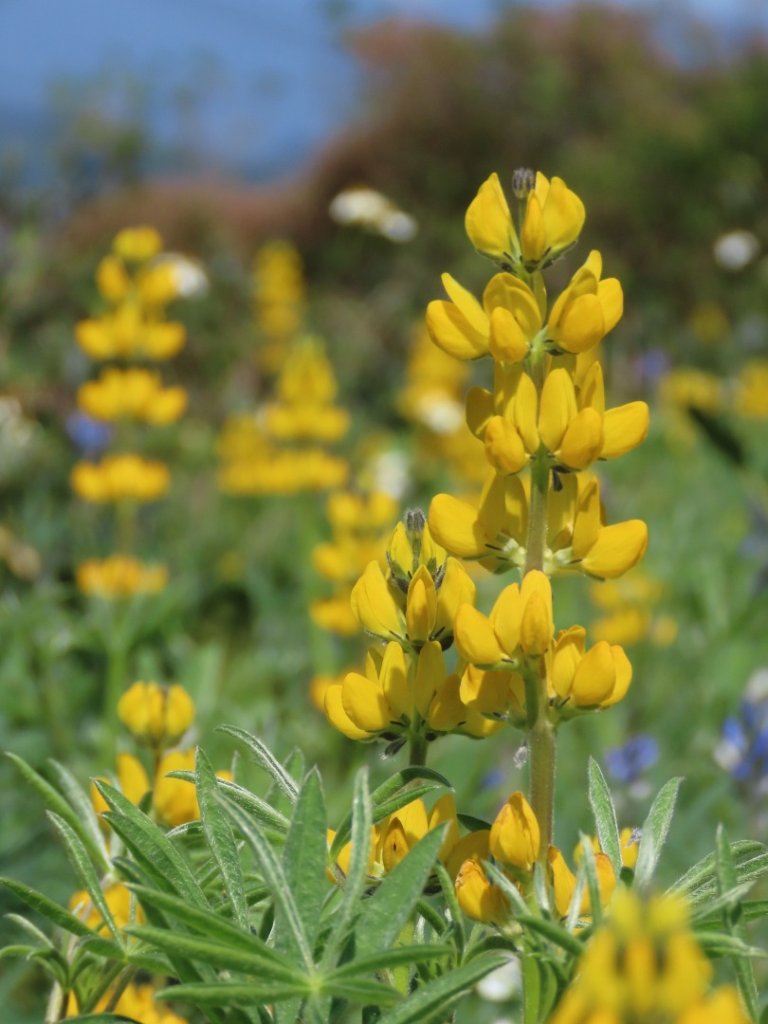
x,y
668,149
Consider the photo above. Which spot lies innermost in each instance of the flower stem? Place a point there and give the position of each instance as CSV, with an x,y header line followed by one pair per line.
x,y
418,754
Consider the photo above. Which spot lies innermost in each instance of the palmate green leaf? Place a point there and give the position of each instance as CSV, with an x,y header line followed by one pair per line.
x,y
726,881
436,996
274,824
654,832
357,874
150,846
228,993
606,823
390,796
287,912
258,959
283,779
47,907
220,837
305,852
384,914
80,861
59,805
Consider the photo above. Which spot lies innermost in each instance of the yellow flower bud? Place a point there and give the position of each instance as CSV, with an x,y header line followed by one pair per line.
x,y
157,715
489,224
478,898
554,217
515,836
536,624
421,606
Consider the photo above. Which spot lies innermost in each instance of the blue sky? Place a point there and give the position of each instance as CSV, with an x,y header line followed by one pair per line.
x,y
273,74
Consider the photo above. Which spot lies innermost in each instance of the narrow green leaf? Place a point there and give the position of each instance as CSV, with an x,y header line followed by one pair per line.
x,y
437,995
18,952
574,908
723,944
59,805
704,871
390,796
361,990
224,993
516,901
304,856
150,845
448,890
266,759
390,958
727,880
218,954
220,837
45,906
604,812
522,914
85,871
274,877
81,802
204,922
713,910
270,819
31,929
384,914
654,832
358,868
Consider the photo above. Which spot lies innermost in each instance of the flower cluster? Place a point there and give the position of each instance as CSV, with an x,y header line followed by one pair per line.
x,y
278,301
282,449
137,286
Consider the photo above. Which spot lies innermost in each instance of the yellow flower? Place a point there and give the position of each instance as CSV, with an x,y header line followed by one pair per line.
x,y
515,837
587,309
157,715
564,881
596,678
120,576
174,800
112,279
750,398
552,221
478,898
643,963
117,897
126,332
137,1002
504,326
125,477
134,393
132,781
137,245
520,625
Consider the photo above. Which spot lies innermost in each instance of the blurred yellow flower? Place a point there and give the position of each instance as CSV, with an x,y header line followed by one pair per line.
x,y
125,477
120,576
133,393
156,715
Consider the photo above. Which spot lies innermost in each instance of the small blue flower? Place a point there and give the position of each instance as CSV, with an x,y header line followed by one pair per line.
x,y
628,762
91,436
743,747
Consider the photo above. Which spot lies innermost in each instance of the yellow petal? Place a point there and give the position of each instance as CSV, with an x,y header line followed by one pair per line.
x,y
533,239
394,681
616,549
623,668
446,712
526,404
583,439
595,676
421,606
624,428
364,703
612,300
456,589
566,655
563,880
488,222
445,811
373,604
475,638
479,402
475,844
508,342
515,837
563,215
429,676
450,331
454,524
505,618
558,407
536,624
587,526
504,447
479,900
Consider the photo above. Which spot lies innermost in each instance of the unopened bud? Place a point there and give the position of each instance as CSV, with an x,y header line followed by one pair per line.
x,y
523,180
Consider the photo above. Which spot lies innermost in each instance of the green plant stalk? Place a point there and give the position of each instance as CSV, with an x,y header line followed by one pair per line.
x,y
418,751
117,670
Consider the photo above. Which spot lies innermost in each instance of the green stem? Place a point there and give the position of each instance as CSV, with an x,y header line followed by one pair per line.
x,y
418,754
117,669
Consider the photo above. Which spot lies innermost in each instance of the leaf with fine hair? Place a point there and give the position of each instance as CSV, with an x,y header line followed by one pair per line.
x,y
273,823
654,832
150,846
84,869
604,812
220,837
384,914
731,915
357,874
304,855
440,993
227,993
750,861
266,759
538,925
390,796
83,807
59,805
47,907
272,872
